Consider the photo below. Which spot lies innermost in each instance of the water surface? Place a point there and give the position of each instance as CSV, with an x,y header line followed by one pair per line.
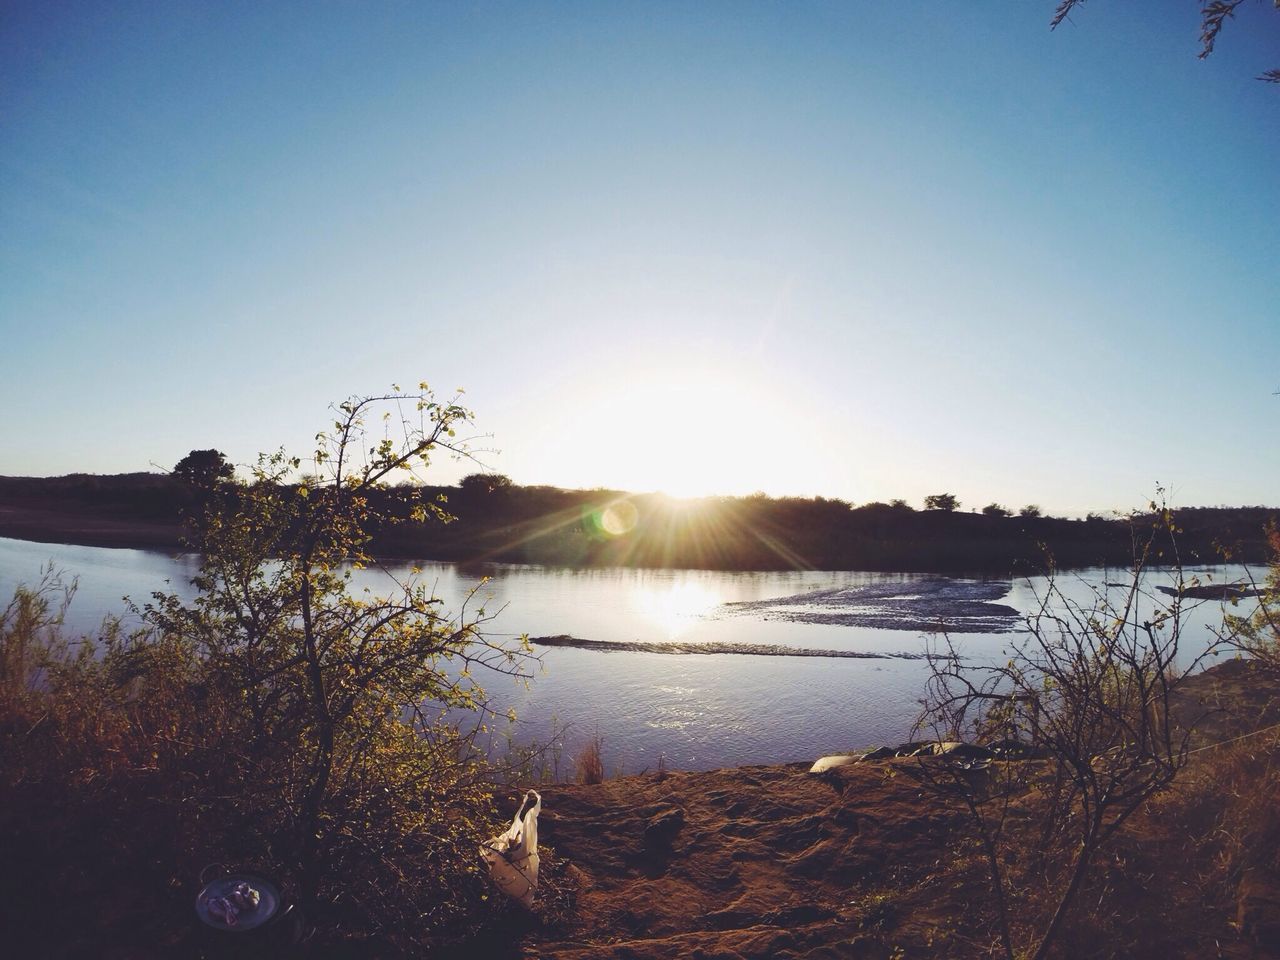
x,y
700,712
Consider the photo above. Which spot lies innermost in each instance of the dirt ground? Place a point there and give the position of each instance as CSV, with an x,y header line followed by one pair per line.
x,y
862,862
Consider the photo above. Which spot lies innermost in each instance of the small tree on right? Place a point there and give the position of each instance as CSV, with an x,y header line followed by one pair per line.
x,y
1088,691
1258,635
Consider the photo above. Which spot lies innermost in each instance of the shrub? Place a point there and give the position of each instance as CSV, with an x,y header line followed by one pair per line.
x,y
1259,635
1089,690
280,719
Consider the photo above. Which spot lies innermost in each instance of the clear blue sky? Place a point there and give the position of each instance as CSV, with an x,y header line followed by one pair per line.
x,y
862,250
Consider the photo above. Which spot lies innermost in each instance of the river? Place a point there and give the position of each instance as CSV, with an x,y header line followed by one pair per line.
x,y
698,711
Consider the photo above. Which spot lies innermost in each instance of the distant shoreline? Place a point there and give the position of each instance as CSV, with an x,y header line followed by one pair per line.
x,y
551,527
79,530
168,539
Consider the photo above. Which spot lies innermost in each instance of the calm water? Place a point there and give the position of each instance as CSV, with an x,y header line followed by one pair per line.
x,y
700,711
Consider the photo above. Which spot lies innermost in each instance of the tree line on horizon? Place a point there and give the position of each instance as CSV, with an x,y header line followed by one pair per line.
x,y
494,519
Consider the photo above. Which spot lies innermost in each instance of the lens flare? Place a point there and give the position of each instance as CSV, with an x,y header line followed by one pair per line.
x,y
615,520
619,518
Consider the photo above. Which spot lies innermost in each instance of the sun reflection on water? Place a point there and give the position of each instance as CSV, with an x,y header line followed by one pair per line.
x,y
675,607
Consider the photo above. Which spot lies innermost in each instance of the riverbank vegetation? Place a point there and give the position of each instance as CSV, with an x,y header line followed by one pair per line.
x,y
1094,692
497,520
280,720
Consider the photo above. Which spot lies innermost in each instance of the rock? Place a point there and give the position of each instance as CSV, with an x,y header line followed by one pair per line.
x,y
880,753
916,748
660,832
963,751
1214,591
840,760
1016,750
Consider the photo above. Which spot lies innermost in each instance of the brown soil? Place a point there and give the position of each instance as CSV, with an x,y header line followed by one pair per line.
x,y
751,862
862,862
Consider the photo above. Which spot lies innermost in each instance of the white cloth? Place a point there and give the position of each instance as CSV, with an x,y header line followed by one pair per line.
x,y
512,857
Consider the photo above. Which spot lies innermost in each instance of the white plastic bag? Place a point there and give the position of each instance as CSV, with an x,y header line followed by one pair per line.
x,y
512,858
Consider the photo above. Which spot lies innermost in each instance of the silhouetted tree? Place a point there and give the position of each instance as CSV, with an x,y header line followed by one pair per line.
x,y
946,502
1030,510
203,469
483,484
995,510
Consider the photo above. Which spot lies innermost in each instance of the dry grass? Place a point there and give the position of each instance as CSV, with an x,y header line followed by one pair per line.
x,y
1168,884
590,762
1172,881
1225,806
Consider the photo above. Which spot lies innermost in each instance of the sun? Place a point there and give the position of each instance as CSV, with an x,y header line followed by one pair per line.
x,y
687,426
689,433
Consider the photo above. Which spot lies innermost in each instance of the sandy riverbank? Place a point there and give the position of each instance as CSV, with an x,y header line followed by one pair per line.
x,y
771,862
